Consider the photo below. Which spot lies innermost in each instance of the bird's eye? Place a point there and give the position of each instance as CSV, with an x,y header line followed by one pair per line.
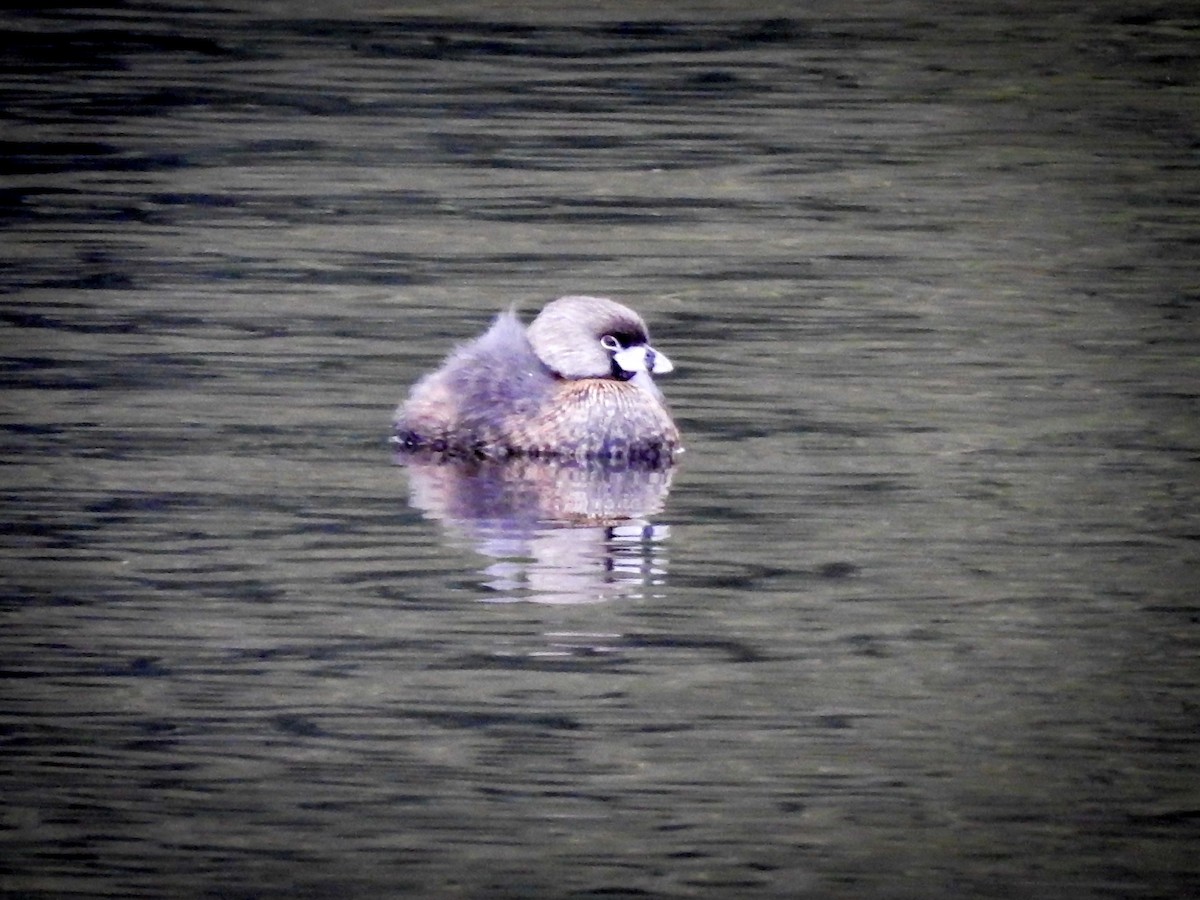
x,y
608,342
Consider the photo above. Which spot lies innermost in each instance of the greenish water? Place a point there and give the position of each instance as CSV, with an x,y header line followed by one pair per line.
x,y
914,617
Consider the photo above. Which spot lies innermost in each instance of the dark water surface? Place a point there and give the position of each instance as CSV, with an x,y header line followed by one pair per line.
x,y
915,617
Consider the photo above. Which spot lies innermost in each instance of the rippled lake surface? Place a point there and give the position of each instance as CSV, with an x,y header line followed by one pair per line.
x,y
916,615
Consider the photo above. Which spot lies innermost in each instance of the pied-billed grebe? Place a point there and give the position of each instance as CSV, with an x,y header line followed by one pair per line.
x,y
575,383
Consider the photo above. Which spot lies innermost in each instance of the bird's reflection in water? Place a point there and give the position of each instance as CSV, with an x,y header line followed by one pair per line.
x,y
554,531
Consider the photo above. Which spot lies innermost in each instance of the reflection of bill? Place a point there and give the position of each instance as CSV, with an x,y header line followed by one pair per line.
x,y
555,531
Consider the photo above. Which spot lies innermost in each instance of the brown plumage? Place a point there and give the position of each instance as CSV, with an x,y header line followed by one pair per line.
x,y
576,383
